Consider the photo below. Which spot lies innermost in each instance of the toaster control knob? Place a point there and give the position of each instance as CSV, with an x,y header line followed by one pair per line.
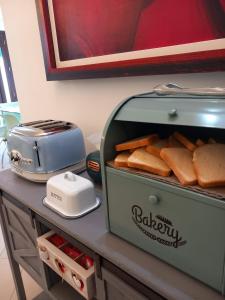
x,y
15,157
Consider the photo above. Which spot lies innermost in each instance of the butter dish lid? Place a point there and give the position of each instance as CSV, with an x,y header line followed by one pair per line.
x,y
69,183
71,195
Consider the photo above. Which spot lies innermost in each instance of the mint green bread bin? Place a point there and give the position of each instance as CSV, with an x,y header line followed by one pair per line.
x,y
183,226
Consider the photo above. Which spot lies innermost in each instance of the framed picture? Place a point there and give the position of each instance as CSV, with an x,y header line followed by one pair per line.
x,y
107,38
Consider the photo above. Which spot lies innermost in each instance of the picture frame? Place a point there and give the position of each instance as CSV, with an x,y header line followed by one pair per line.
x,y
208,55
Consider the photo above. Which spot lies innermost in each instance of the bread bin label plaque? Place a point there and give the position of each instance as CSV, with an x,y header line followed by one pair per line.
x,y
157,227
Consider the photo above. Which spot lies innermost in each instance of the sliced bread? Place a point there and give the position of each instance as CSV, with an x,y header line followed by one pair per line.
x,y
199,142
156,147
143,160
173,143
121,159
209,164
184,140
137,142
211,141
180,161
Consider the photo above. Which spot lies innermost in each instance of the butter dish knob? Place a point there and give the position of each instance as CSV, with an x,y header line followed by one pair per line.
x,y
70,176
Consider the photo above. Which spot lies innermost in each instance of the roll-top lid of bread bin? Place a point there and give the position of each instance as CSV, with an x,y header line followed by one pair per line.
x,y
167,105
172,105
70,195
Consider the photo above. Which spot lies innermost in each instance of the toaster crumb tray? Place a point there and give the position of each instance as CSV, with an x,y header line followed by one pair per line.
x,y
75,215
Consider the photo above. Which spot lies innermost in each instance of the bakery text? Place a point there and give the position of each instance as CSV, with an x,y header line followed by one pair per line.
x,y
157,224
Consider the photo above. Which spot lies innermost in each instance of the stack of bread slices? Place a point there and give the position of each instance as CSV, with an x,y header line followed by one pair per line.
x,y
192,163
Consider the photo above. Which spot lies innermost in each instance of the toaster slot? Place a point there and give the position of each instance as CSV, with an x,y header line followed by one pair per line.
x,y
48,126
51,124
34,123
58,126
74,266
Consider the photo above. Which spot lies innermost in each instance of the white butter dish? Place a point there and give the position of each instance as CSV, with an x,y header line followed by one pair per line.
x,y
70,195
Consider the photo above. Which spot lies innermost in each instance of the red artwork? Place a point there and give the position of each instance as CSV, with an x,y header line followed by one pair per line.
x,y
180,22
75,30
100,27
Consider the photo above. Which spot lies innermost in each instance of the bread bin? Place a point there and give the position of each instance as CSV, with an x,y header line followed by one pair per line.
x,y
44,148
184,226
70,195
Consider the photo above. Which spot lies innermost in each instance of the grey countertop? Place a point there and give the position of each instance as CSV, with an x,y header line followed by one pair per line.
x,y
91,230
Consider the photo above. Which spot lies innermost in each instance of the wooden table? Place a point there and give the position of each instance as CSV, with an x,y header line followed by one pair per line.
x,y
119,265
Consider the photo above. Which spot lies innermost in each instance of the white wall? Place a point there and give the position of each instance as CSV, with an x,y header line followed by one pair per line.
x,y
1,21
88,102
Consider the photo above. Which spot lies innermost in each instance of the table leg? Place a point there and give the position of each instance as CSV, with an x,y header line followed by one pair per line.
x,y
13,264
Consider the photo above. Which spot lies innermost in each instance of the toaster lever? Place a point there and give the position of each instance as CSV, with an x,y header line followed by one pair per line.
x,y
17,159
15,156
36,148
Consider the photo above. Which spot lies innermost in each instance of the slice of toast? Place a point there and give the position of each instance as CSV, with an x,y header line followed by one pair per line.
x,y
137,142
199,142
173,143
121,160
211,141
156,147
143,160
180,161
185,141
209,164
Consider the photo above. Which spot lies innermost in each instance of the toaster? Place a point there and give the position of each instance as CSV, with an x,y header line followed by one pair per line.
x,y
41,149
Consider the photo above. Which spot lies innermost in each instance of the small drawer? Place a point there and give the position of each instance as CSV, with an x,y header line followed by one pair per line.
x,y
70,263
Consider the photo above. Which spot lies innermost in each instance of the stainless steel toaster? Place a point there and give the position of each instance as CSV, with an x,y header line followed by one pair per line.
x,y
41,149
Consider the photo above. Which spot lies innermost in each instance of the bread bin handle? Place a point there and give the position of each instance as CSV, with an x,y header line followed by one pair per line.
x,y
173,89
153,199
